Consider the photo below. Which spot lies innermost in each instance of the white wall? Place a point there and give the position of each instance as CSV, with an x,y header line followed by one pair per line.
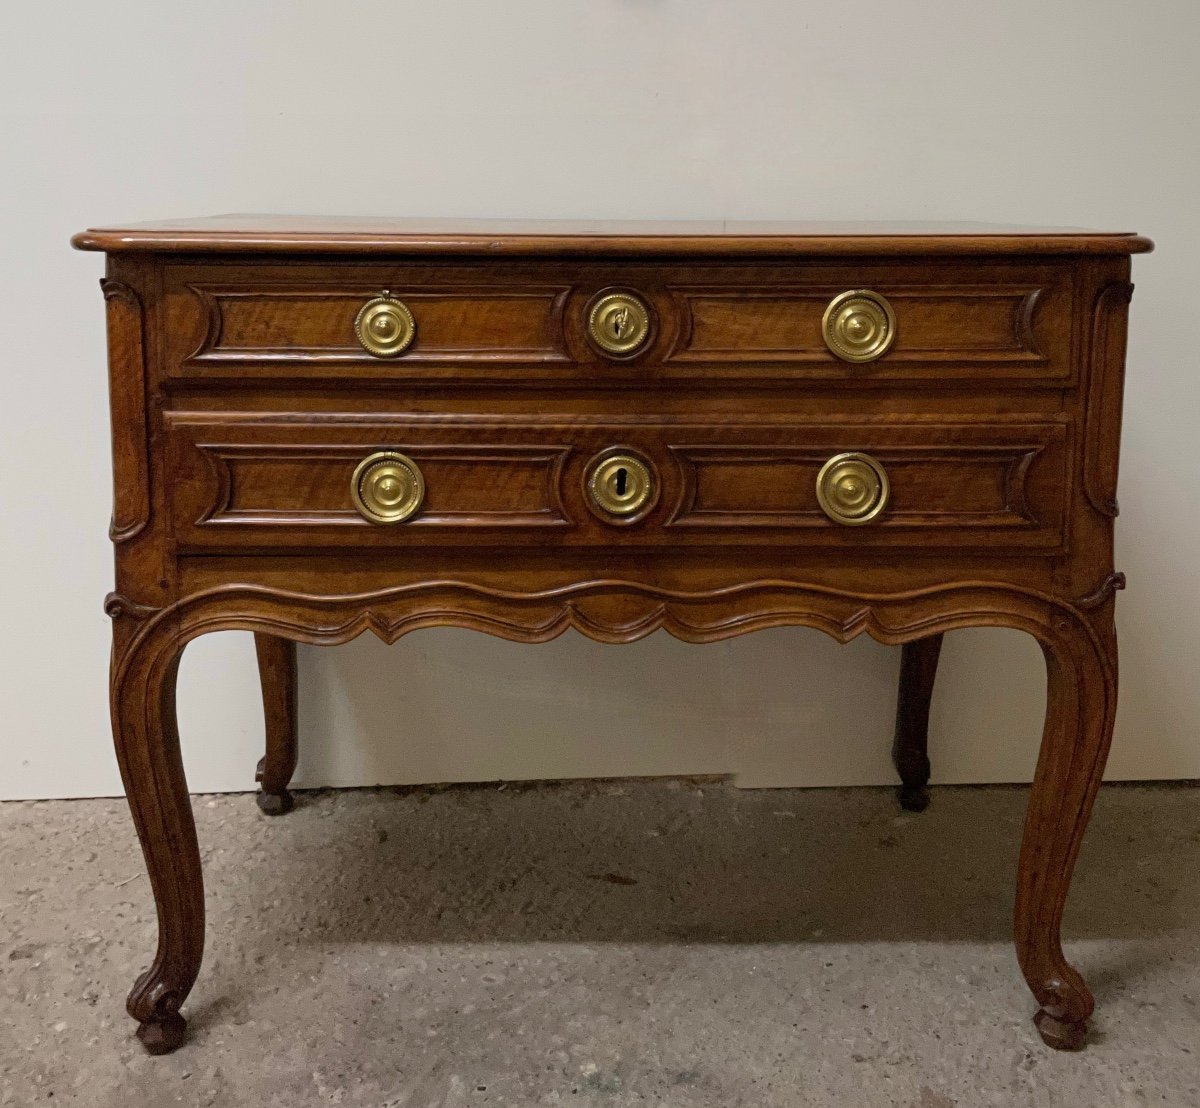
x,y
1076,111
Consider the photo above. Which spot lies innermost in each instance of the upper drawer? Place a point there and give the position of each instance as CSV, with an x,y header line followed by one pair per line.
x,y
522,323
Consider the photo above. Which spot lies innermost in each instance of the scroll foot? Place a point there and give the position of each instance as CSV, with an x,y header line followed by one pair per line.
x,y
164,1034
1061,1034
275,804
913,799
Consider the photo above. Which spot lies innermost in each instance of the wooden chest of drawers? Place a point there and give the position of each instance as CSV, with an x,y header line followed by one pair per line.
x,y
322,427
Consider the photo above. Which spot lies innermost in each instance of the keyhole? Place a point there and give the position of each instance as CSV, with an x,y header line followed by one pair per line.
x,y
622,480
619,319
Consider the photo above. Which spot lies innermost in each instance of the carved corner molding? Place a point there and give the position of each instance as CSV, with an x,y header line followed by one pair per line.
x,y
1106,370
1108,587
127,384
117,606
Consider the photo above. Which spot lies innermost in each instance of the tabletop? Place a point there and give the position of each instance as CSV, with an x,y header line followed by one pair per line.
x,y
356,234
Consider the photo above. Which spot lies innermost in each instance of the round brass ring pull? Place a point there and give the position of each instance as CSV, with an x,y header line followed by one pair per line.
x,y
387,487
619,484
859,326
385,327
852,489
618,323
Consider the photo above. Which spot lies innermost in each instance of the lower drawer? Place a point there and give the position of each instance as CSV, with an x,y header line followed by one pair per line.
x,y
279,481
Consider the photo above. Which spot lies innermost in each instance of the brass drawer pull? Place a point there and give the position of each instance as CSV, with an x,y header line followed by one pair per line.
x,y
852,489
859,326
619,484
384,326
387,487
618,323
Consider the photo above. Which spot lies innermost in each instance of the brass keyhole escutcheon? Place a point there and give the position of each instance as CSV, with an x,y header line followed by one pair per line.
x,y
618,323
619,484
385,327
859,326
387,487
852,489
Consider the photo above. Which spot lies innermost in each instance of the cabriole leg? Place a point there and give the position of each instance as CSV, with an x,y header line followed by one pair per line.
x,y
147,743
1080,708
910,751
277,673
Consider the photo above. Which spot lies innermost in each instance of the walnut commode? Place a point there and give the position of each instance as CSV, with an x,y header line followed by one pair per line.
x,y
323,427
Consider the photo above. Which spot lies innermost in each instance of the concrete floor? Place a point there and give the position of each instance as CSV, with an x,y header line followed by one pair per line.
x,y
649,943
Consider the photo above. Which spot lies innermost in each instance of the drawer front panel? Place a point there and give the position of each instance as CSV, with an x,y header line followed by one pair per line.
x,y
710,324
253,480
962,486
455,323
978,325
306,484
